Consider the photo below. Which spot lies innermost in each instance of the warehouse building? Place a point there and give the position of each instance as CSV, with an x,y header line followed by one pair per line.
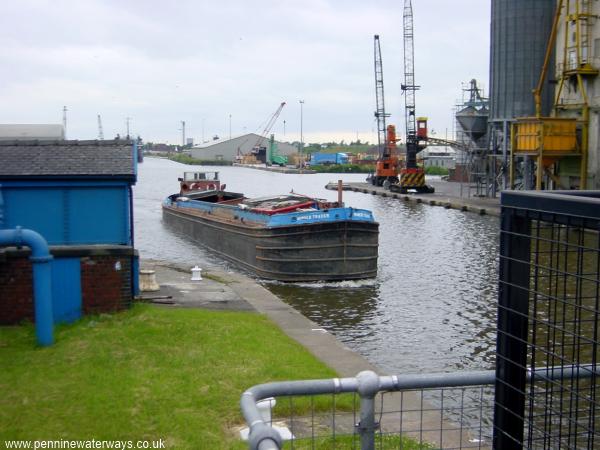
x,y
439,156
228,149
31,131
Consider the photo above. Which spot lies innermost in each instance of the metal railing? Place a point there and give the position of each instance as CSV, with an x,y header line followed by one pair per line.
x,y
548,316
445,411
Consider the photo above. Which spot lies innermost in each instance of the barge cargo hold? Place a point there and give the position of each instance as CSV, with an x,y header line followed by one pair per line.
x,y
288,238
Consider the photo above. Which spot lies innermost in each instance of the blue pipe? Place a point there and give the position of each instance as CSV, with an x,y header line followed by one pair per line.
x,y
1,208
42,279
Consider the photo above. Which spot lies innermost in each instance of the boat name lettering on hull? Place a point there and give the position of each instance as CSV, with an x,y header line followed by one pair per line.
x,y
313,216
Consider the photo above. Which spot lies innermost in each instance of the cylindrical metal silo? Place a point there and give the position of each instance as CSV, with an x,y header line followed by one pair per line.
x,y
519,36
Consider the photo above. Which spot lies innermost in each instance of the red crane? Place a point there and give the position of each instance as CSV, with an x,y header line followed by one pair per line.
x,y
386,171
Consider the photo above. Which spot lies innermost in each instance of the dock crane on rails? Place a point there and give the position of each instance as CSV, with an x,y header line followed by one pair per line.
x,y
386,169
271,155
412,177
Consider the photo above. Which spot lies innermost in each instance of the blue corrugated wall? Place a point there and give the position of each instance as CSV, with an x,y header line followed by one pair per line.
x,y
74,213
66,289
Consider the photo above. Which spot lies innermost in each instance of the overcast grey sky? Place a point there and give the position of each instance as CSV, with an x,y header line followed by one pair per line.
x,y
161,62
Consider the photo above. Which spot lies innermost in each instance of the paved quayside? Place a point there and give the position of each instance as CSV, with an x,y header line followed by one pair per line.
x,y
447,195
222,290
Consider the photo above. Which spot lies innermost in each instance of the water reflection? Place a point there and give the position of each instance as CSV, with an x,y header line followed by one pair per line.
x,y
432,305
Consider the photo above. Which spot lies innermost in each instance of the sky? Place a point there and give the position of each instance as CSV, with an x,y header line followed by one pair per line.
x,y
227,65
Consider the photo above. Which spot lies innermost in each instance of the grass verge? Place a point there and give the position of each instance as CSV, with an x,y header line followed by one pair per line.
x,y
146,374
382,442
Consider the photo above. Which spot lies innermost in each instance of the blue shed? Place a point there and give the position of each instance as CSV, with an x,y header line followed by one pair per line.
x,y
78,196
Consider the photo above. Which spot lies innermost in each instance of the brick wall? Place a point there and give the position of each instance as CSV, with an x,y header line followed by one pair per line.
x,y
16,291
105,286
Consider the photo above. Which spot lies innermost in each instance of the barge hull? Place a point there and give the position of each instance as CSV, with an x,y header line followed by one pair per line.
x,y
341,250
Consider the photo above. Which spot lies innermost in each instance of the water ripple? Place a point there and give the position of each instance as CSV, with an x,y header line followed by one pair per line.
x,y
432,305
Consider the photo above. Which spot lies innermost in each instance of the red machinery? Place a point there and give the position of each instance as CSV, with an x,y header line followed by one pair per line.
x,y
386,170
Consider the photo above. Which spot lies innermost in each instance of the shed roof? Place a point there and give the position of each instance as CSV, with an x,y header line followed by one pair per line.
x,y
253,137
41,159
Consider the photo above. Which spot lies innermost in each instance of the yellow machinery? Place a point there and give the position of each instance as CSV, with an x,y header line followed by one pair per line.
x,y
548,139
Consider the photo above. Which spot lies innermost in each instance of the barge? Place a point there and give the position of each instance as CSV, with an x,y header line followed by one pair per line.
x,y
288,237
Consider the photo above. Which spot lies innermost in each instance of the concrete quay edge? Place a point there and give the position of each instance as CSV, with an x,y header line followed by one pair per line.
x,y
478,206
223,290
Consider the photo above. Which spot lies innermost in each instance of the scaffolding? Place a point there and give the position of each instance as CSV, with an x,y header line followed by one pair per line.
x,y
475,164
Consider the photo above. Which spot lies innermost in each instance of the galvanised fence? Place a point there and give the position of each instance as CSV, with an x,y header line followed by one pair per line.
x,y
543,393
548,307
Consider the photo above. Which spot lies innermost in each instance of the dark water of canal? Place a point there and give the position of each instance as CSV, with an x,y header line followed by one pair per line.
x,y
432,305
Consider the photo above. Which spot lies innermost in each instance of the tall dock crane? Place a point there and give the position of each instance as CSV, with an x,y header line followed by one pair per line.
x,y
412,177
386,171
271,156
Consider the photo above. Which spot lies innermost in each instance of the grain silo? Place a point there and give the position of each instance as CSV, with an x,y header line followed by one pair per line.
x,y
519,36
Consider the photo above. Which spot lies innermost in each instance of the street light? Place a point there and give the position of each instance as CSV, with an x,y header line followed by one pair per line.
x,y
301,120
229,126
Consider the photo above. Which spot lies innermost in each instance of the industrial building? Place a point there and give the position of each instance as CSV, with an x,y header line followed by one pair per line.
x,y
577,91
25,131
228,149
544,96
439,156
520,31
472,136
78,196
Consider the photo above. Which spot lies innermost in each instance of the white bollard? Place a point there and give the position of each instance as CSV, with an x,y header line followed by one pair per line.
x,y
264,407
196,273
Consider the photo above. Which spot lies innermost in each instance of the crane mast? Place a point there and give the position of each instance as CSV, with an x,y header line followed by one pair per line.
x,y
386,169
412,177
272,156
409,86
269,124
380,114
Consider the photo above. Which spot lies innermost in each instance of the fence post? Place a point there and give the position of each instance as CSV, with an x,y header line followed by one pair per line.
x,y
368,386
511,345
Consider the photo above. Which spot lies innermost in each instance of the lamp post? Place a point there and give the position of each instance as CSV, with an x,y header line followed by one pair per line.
x,y
229,126
301,131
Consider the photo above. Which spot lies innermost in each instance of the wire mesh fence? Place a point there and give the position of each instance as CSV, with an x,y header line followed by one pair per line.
x,y
543,393
443,411
449,411
449,418
548,317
